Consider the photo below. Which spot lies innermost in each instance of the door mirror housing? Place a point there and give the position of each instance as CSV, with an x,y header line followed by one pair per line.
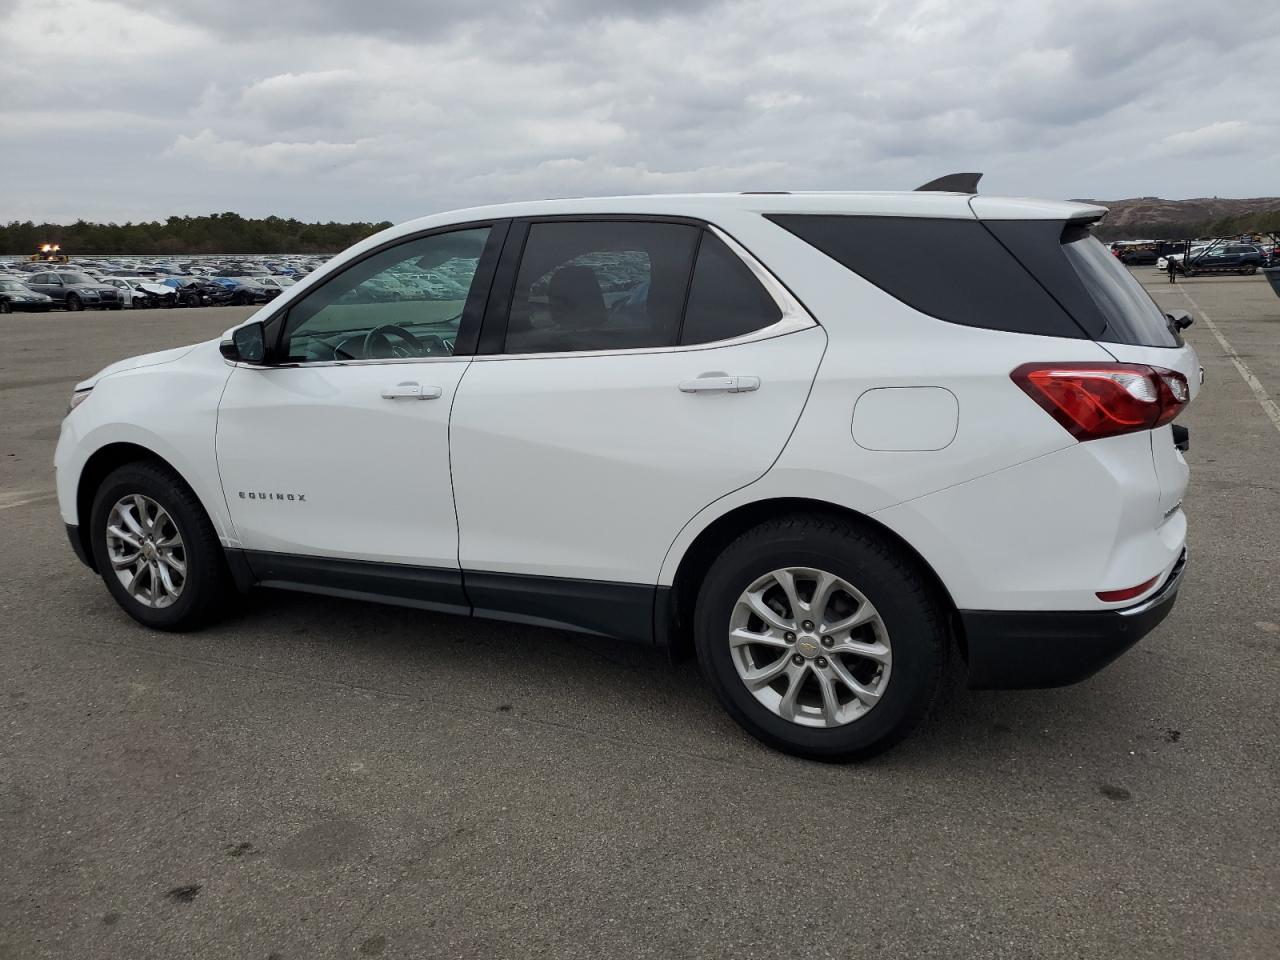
x,y
1180,319
248,344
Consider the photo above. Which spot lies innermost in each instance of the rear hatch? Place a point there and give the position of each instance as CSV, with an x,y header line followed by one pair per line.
x,y
1111,308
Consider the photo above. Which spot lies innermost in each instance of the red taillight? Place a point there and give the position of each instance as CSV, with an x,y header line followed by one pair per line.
x,y
1094,400
1115,596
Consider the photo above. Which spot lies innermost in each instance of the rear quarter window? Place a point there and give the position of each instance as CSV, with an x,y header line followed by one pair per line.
x,y
951,269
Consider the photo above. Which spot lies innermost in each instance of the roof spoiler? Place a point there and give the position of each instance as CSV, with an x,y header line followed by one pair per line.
x,y
953,183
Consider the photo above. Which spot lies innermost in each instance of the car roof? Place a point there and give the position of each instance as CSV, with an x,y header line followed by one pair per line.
x,y
707,205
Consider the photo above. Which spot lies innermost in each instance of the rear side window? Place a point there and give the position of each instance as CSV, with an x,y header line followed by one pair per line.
x,y
725,298
954,270
600,285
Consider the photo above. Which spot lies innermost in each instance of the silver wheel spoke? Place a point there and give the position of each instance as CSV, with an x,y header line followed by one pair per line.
x,y
131,522
830,702
765,675
865,694
864,614
795,680
787,581
822,596
125,537
166,582
739,637
121,562
766,613
868,651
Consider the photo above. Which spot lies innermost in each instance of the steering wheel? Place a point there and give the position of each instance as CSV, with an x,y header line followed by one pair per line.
x,y
378,345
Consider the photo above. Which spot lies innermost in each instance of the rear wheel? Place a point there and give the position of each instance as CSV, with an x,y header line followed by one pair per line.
x,y
1249,269
820,637
5,307
156,549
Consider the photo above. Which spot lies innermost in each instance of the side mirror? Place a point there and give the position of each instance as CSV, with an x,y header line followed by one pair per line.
x,y
248,344
1180,319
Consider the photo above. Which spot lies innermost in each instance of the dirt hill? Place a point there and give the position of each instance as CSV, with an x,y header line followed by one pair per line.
x,y
1152,217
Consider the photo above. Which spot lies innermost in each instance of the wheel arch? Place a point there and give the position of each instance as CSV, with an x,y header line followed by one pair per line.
x,y
96,469
674,617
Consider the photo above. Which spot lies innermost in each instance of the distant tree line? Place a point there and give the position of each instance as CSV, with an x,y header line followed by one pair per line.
x,y
1175,230
216,233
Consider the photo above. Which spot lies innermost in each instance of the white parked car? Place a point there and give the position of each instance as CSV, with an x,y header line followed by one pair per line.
x,y
777,444
141,292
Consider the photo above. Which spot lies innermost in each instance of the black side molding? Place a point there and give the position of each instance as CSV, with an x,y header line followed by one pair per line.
x,y
952,183
427,588
620,610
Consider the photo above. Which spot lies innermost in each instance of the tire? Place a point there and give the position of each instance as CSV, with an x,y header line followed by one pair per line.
x,y
73,302
192,300
5,307
203,589
1250,270
911,625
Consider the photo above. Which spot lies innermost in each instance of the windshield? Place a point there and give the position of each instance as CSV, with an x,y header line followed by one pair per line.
x,y
1132,316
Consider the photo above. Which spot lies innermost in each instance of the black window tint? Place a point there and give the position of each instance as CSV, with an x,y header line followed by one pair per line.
x,y
600,285
1132,316
954,270
725,298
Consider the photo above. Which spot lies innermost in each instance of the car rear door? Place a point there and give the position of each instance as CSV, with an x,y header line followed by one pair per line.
x,y
619,389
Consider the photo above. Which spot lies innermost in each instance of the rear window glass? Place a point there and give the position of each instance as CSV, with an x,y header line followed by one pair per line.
x,y
954,270
1131,315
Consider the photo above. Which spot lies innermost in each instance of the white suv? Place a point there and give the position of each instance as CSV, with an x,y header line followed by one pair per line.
x,y
752,426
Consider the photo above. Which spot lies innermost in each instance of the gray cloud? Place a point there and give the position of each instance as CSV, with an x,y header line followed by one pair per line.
x,y
328,109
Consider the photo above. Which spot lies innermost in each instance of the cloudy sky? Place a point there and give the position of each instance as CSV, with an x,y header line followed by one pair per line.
x,y
388,109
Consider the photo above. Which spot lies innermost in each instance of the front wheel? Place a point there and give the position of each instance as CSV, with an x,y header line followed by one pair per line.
x,y
192,300
73,302
820,637
156,549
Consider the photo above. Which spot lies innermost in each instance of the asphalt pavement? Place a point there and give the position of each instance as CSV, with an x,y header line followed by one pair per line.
x,y
315,777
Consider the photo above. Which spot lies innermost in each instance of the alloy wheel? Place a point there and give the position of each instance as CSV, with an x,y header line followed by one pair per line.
x,y
146,551
810,647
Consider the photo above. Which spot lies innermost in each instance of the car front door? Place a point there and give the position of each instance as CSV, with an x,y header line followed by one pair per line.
x,y
631,372
334,459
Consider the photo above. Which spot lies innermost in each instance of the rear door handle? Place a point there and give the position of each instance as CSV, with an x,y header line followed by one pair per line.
x,y
720,383
410,390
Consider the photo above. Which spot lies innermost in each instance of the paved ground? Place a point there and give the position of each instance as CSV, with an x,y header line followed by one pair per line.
x,y
318,778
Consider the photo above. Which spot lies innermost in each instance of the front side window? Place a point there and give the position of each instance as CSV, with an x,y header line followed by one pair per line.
x,y
600,285
404,302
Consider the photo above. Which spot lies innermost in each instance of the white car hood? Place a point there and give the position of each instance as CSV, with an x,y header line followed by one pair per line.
x,y
159,288
133,363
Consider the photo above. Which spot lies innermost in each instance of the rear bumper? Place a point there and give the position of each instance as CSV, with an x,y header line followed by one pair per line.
x,y
1015,650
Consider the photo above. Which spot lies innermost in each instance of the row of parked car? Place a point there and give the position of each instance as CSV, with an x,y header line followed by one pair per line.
x,y
37,286
1200,256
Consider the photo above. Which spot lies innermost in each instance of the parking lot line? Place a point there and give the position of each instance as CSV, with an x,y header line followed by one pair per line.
x,y
24,497
1268,405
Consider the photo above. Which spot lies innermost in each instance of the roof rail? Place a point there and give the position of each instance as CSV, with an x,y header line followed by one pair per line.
x,y
953,183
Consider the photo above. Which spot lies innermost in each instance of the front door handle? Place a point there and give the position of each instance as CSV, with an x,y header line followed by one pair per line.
x,y
720,383
411,390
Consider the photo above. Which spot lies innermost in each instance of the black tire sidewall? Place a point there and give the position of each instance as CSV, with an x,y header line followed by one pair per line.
x,y
904,603
203,572
72,302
